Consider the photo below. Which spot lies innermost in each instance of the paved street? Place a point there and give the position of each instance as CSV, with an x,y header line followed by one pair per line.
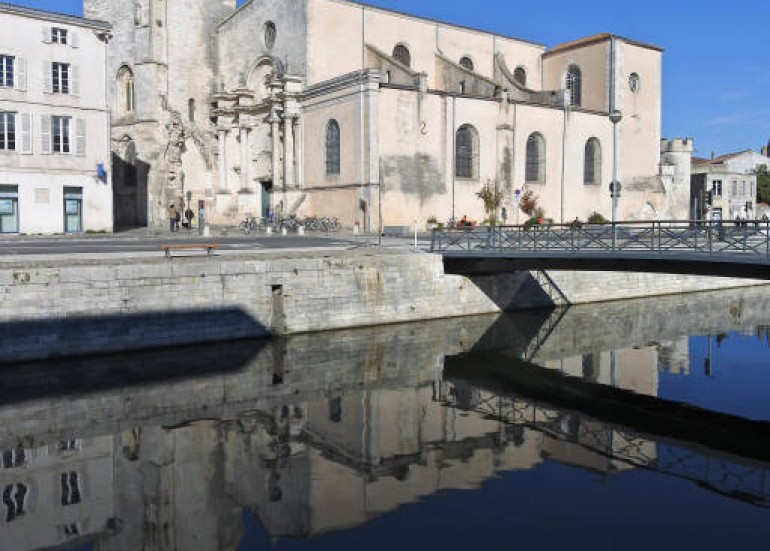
x,y
143,242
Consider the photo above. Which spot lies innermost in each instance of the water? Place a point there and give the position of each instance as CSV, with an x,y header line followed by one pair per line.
x,y
632,425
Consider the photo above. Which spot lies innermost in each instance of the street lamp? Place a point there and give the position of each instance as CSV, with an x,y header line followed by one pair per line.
x,y
615,117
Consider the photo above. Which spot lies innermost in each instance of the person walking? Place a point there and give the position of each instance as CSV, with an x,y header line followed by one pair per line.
x,y
189,215
172,217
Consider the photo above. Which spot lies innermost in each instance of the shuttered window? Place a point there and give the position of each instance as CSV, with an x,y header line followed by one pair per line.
x,y
7,131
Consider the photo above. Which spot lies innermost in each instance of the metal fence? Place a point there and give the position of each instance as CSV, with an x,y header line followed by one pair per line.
x,y
663,237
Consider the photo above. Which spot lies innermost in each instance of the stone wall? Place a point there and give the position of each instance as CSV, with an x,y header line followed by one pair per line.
x,y
69,308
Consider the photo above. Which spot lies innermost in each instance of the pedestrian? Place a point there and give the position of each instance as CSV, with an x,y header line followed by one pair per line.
x,y
576,224
172,217
189,215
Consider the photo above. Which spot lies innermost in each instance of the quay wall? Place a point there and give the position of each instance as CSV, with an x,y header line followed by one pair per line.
x,y
76,307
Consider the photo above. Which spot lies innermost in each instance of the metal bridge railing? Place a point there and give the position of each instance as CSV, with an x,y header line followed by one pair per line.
x,y
750,238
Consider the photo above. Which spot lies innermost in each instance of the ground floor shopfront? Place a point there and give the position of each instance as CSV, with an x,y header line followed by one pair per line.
x,y
39,203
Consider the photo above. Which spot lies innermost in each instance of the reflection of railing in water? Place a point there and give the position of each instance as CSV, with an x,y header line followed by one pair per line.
x,y
745,481
543,333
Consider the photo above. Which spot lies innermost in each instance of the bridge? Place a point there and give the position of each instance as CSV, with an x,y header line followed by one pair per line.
x,y
727,249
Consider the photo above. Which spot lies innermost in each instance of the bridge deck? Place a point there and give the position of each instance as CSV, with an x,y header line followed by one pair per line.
x,y
728,250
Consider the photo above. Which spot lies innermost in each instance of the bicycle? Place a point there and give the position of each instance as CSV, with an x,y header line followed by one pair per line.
x,y
248,225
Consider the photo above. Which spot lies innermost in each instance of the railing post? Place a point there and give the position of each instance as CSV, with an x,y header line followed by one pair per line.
x,y
614,235
745,236
711,238
695,244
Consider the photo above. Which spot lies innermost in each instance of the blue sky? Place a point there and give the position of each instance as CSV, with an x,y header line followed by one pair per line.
x,y
716,64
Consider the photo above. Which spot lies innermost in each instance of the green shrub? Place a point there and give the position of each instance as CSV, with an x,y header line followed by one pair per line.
x,y
596,218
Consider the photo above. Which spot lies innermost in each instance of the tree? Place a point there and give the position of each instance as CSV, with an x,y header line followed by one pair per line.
x,y
763,184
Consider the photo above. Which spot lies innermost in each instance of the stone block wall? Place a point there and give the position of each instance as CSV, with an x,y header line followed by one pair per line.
x,y
69,308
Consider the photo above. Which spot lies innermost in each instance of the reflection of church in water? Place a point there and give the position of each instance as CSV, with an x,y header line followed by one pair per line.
x,y
321,433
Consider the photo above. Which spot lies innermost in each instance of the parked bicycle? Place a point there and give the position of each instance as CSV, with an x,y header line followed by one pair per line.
x,y
249,225
313,223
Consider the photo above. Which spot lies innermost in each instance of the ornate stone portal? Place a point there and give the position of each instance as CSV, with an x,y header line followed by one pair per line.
x,y
259,142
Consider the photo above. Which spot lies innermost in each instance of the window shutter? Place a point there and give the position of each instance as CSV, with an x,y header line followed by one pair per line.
x,y
74,80
25,122
47,34
74,39
20,78
80,137
47,77
45,134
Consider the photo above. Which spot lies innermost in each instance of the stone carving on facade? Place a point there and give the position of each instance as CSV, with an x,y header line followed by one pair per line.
x,y
175,146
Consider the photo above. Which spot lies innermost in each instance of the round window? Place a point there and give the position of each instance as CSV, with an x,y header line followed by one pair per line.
x,y
634,83
270,34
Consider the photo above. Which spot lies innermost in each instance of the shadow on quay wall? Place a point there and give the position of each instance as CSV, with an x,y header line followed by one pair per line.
x,y
91,375
519,290
34,340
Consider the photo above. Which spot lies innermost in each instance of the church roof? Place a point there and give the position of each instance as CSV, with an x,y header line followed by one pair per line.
x,y
443,22
595,39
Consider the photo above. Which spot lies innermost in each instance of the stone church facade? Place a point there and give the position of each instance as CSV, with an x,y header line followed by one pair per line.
x,y
336,108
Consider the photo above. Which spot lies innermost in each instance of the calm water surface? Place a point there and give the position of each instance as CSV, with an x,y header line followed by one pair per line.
x,y
634,425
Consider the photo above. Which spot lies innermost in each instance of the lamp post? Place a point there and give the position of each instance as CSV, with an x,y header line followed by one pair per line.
x,y
615,117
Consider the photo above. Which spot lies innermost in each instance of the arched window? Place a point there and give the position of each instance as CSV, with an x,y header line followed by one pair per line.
x,y
125,90
634,82
574,83
332,147
535,165
592,169
467,63
466,152
402,55
520,76
269,34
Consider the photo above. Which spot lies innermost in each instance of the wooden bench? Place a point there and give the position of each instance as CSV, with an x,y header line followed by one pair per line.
x,y
209,248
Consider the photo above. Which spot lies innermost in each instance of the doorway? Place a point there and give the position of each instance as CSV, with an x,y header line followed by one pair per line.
x,y
267,189
9,209
73,210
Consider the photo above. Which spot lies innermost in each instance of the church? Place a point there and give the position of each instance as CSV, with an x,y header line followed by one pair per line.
x,y
335,108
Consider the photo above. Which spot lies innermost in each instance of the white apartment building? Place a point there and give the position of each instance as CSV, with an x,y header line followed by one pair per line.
x,y
732,181
54,123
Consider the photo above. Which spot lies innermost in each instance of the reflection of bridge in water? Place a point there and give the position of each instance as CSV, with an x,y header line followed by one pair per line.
x,y
610,448
325,432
